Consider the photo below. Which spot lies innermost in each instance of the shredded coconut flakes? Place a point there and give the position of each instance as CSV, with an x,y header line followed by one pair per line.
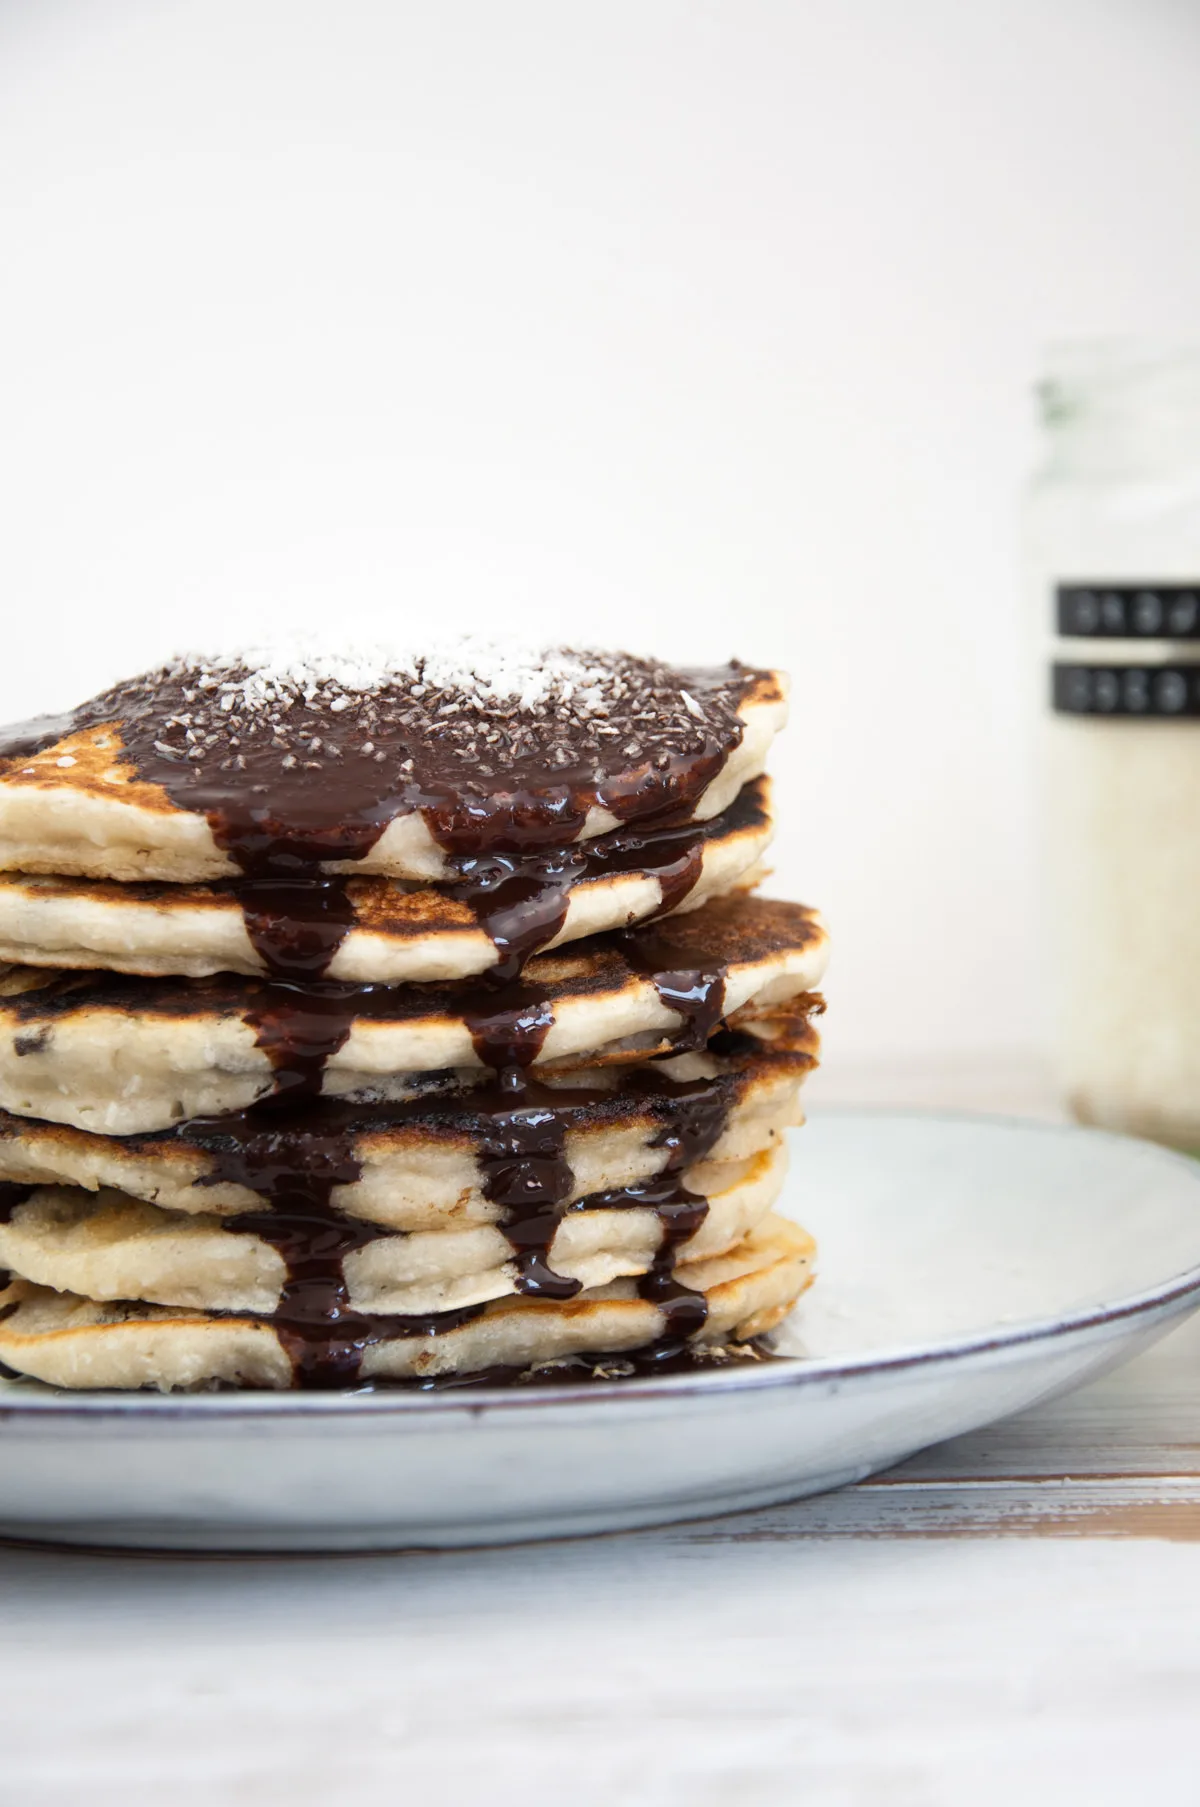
x,y
482,672
480,712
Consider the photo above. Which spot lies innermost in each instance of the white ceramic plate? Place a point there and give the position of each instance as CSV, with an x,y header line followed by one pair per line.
x,y
968,1268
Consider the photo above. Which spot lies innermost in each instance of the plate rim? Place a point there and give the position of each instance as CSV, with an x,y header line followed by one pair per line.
x,y
353,1407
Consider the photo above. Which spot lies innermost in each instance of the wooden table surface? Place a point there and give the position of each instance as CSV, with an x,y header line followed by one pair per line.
x,y
1014,1616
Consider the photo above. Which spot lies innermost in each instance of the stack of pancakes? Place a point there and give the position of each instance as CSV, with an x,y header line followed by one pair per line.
x,y
395,1017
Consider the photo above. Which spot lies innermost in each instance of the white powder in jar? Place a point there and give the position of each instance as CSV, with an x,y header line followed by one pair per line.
x,y
1124,819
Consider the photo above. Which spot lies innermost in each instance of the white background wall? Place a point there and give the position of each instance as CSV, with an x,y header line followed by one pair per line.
x,y
707,327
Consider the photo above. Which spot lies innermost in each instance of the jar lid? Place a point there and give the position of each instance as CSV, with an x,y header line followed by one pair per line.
x,y
1151,692
1144,611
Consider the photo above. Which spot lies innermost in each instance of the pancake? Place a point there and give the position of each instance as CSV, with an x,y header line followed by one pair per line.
x,y
121,1056
108,1246
437,1162
301,762
74,1342
379,930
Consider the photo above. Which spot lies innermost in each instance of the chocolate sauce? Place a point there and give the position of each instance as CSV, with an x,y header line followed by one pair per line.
x,y
521,1150
738,929
508,1028
293,1159
695,1112
522,1155
690,1133
323,1335
292,773
697,994
274,1153
680,1214
22,740
520,899
684,1311
653,1361
279,1148
698,997
299,1027
294,1148
293,1154
296,925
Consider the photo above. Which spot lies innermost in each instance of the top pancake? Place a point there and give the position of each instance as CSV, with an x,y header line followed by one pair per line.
x,y
414,768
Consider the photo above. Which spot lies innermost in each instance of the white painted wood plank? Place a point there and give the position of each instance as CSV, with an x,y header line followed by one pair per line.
x,y
1166,1507
649,1669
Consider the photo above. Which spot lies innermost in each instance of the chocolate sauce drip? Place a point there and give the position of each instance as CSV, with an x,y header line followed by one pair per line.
x,y
279,1149
509,1027
12,1195
698,997
261,1147
22,740
300,1026
527,1173
522,1137
696,1113
293,1155
685,1312
271,1152
520,898
323,1335
690,1134
609,960
680,1214
521,1148
522,1156
296,925
697,994
293,1159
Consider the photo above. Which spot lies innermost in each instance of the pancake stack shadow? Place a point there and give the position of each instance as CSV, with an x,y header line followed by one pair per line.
x,y
374,1020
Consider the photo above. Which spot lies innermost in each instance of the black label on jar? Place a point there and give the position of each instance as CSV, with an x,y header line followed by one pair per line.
x,y
1128,611
1160,692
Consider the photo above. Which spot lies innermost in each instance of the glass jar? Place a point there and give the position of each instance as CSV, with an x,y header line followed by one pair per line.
x,y
1113,533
